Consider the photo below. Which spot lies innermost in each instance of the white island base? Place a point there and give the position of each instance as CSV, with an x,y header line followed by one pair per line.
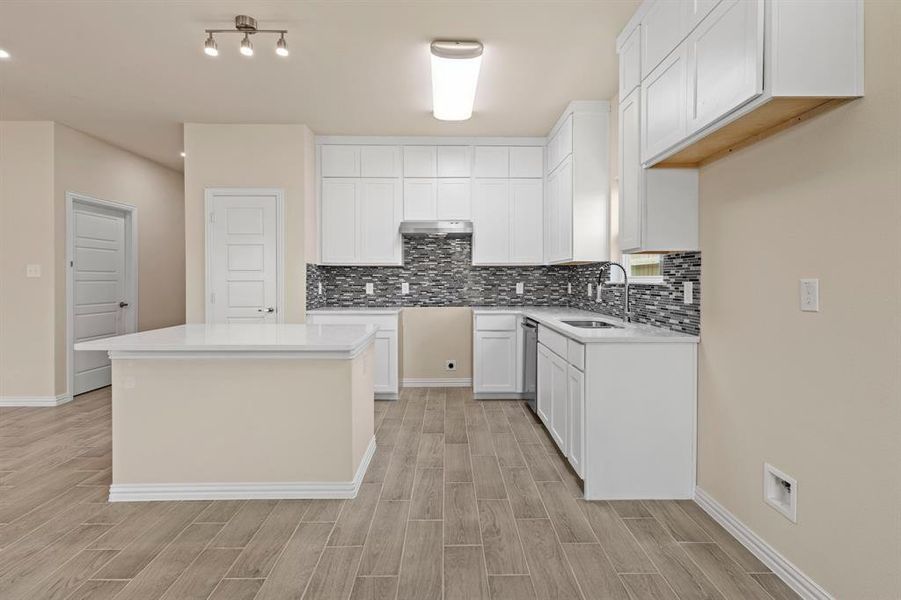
x,y
231,415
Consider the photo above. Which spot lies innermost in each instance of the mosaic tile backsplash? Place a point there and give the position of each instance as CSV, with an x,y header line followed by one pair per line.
x,y
440,273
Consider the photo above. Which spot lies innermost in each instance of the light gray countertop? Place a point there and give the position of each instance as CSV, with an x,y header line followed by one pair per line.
x,y
390,310
552,317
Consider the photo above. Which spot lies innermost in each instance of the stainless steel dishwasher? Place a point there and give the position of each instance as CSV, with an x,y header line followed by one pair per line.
x,y
530,362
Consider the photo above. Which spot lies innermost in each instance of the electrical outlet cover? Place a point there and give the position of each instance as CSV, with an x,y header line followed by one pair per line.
x,y
810,295
370,289
404,288
519,288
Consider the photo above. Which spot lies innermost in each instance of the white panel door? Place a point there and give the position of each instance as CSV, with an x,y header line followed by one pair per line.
x,y
630,63
454,161
339,221
243,259
526,217
630,172
663,112
454,199
420,199
99,280
490,222
544,385
379,216
526,161
491,161
559,401
339,161
495,353
696,10
379,161
725,61
662,28
420,161
564,211
575,393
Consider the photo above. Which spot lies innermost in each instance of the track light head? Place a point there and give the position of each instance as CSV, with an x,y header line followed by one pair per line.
x,y
210,47
246,46
281,47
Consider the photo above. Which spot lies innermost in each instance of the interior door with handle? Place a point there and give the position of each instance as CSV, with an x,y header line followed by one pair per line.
x,y
242,256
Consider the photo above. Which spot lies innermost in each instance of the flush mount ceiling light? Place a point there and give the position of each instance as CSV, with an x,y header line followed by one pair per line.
x,y
4,53
246,26
455,74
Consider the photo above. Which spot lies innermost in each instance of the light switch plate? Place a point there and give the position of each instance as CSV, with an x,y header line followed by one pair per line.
x,y
404,287
32,271
810,295
519,288
688,292
370,290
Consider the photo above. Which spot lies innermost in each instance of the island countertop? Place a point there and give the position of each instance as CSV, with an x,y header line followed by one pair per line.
x,y
300,340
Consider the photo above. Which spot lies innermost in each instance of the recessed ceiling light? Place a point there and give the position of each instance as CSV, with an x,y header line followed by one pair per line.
x,y
455,74
4,53
182,153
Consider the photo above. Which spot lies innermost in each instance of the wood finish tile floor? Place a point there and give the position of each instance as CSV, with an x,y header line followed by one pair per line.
x,y
463,499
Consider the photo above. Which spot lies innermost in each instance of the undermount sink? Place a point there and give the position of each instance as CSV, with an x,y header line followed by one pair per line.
x,y
592,324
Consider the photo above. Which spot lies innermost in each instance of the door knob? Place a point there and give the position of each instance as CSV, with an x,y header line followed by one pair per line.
x,y
123,304
266,310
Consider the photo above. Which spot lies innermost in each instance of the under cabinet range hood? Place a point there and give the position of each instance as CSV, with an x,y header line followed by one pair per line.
x,y
446,228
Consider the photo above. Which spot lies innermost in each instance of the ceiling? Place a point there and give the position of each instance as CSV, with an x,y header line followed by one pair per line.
x,y
131,72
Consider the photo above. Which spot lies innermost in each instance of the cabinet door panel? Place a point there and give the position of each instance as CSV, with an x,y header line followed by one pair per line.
x,y
420,199
491,222
526,211
544,385
559,401
630,172
526,161
495,355
379,161
725,61
663,113
564,207
454,199
630,63
576,414
381,364
662,29
339,221
454,161
339,161
419,161
379,221
492,161
696,10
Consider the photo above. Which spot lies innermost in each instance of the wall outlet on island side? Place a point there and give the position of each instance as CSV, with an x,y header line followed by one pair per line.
x,y
450,365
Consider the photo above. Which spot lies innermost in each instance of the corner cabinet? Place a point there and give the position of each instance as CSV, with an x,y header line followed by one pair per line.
x,y
360,221
577,198
717,75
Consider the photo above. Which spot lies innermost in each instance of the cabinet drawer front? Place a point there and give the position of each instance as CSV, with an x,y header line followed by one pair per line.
x,y
385,323
575,354
553,340
497,322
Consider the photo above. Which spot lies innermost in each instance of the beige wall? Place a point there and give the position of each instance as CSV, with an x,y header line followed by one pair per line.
x,y
818,395
39,163
27,325
260,156
431,336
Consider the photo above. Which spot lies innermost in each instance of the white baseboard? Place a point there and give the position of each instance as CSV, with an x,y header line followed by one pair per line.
x,y
438,382
793,577
35,401
292,490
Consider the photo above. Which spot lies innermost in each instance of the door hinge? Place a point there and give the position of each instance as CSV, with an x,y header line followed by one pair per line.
x,y
212,217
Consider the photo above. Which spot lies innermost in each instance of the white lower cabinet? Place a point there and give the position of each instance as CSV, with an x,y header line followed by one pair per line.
x,y
559,426
544,384
386,348
497,355
575,394
561,404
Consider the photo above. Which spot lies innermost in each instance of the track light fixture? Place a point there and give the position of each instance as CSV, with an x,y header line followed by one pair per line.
x,y
247,26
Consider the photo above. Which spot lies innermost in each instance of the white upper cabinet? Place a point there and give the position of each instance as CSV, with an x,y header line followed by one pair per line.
x,y
663,98
420,161
630,171
725,61
339,219
454,161
526,161
379,161
578,186
360,221
340,161
491,161
662,28
526,221
491,222
630,63
454,199
420,199
717,74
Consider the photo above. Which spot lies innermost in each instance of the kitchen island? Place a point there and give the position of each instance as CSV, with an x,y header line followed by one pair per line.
x,y
241,411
